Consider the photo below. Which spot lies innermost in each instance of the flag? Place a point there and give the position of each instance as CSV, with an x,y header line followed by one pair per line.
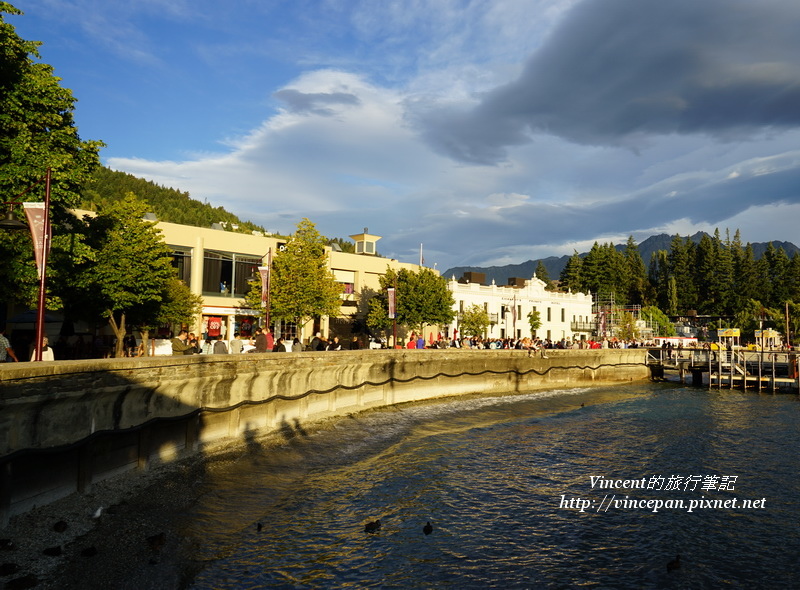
x,y
40,232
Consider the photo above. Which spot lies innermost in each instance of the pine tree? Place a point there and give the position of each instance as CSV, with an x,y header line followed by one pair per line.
x,y
571,274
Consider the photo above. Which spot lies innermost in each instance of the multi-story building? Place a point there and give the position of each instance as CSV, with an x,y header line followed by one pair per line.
x,y
219,265
563,315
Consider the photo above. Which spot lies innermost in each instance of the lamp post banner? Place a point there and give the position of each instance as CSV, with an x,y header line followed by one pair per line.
x,y
391,295
37,221
264,272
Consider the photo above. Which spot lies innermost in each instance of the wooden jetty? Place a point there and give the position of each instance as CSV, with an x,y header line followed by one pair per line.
x,y
763,370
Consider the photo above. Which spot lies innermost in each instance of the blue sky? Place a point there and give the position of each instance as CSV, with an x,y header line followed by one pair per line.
x,y
492,132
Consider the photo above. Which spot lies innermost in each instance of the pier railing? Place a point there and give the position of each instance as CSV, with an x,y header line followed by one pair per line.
x,y
759,369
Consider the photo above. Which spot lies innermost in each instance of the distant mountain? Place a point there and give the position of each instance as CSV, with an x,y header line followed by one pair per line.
x,y
555,264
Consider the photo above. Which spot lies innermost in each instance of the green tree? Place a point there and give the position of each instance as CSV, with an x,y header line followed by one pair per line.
x,y
534,321
628,329
570,277
543,275
37,132
474,320
755,316
302,286
637,287
681,262
178,305
422,298
658,321
130,269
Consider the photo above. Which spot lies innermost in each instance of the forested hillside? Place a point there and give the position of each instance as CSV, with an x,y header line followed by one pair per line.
x,y
168,204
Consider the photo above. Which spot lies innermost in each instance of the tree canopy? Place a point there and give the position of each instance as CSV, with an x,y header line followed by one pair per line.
x,y
474,320
302,285
37,133
422,298
129,273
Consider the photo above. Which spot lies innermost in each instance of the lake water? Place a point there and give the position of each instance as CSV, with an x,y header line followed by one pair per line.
x,y
506,483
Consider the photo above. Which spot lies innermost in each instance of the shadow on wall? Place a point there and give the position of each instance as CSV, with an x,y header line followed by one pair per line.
x,y
85,427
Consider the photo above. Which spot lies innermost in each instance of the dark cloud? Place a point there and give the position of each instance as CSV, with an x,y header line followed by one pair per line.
x,y
488,236
618,71
316,103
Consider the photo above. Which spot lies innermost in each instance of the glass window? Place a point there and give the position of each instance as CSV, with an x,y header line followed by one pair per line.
x,y
182,262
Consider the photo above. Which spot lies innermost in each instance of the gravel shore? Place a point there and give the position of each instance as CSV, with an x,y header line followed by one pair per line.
x,y
118,536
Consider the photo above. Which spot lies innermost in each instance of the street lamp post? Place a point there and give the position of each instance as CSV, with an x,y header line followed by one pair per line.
x,y
39,225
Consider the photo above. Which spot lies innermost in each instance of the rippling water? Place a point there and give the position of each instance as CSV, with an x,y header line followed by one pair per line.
x,y
490,473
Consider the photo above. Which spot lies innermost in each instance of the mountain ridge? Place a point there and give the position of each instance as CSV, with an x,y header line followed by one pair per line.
x,y
555,264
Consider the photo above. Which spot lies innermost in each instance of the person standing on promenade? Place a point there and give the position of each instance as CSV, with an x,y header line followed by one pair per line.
x,y
7,354
219,346
260,341
270,339
180,344
47,351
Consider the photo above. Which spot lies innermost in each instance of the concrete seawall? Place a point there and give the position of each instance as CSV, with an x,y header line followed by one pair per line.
x,y
69,424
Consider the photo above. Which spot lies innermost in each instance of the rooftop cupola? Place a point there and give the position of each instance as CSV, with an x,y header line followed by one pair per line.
x,y
365,242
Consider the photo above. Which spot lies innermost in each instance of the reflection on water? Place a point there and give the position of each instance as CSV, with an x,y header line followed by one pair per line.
x,y
490,475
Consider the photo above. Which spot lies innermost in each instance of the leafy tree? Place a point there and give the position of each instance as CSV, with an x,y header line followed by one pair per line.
x,y
656,319
474,320
534,321
794,322
178,305
302,287
754,316
130,269
422,298
628,329
37,132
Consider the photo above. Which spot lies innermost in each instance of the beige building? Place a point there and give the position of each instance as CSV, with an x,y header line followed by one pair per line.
x,y
218,265
563,315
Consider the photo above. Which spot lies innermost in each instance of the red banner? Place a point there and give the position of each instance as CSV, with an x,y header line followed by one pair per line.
x,y
37,221
214,327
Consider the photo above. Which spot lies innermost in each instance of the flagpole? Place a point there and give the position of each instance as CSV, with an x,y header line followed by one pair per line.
x,y
43,275
421,259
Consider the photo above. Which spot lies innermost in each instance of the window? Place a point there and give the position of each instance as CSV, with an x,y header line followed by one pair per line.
x,y
549,316
346,278
228,274
563,314
182,262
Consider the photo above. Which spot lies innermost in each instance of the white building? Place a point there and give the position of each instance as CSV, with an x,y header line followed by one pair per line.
x,y
563,315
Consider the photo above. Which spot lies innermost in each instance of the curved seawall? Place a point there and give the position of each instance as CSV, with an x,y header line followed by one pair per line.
x,y
69,424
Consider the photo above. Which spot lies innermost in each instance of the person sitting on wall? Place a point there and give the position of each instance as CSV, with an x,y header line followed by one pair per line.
x,y
334,344
236,344
280,346
180,344
354,345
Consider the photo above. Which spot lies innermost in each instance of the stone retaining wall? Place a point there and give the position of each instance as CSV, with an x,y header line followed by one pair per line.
x,y
68,424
